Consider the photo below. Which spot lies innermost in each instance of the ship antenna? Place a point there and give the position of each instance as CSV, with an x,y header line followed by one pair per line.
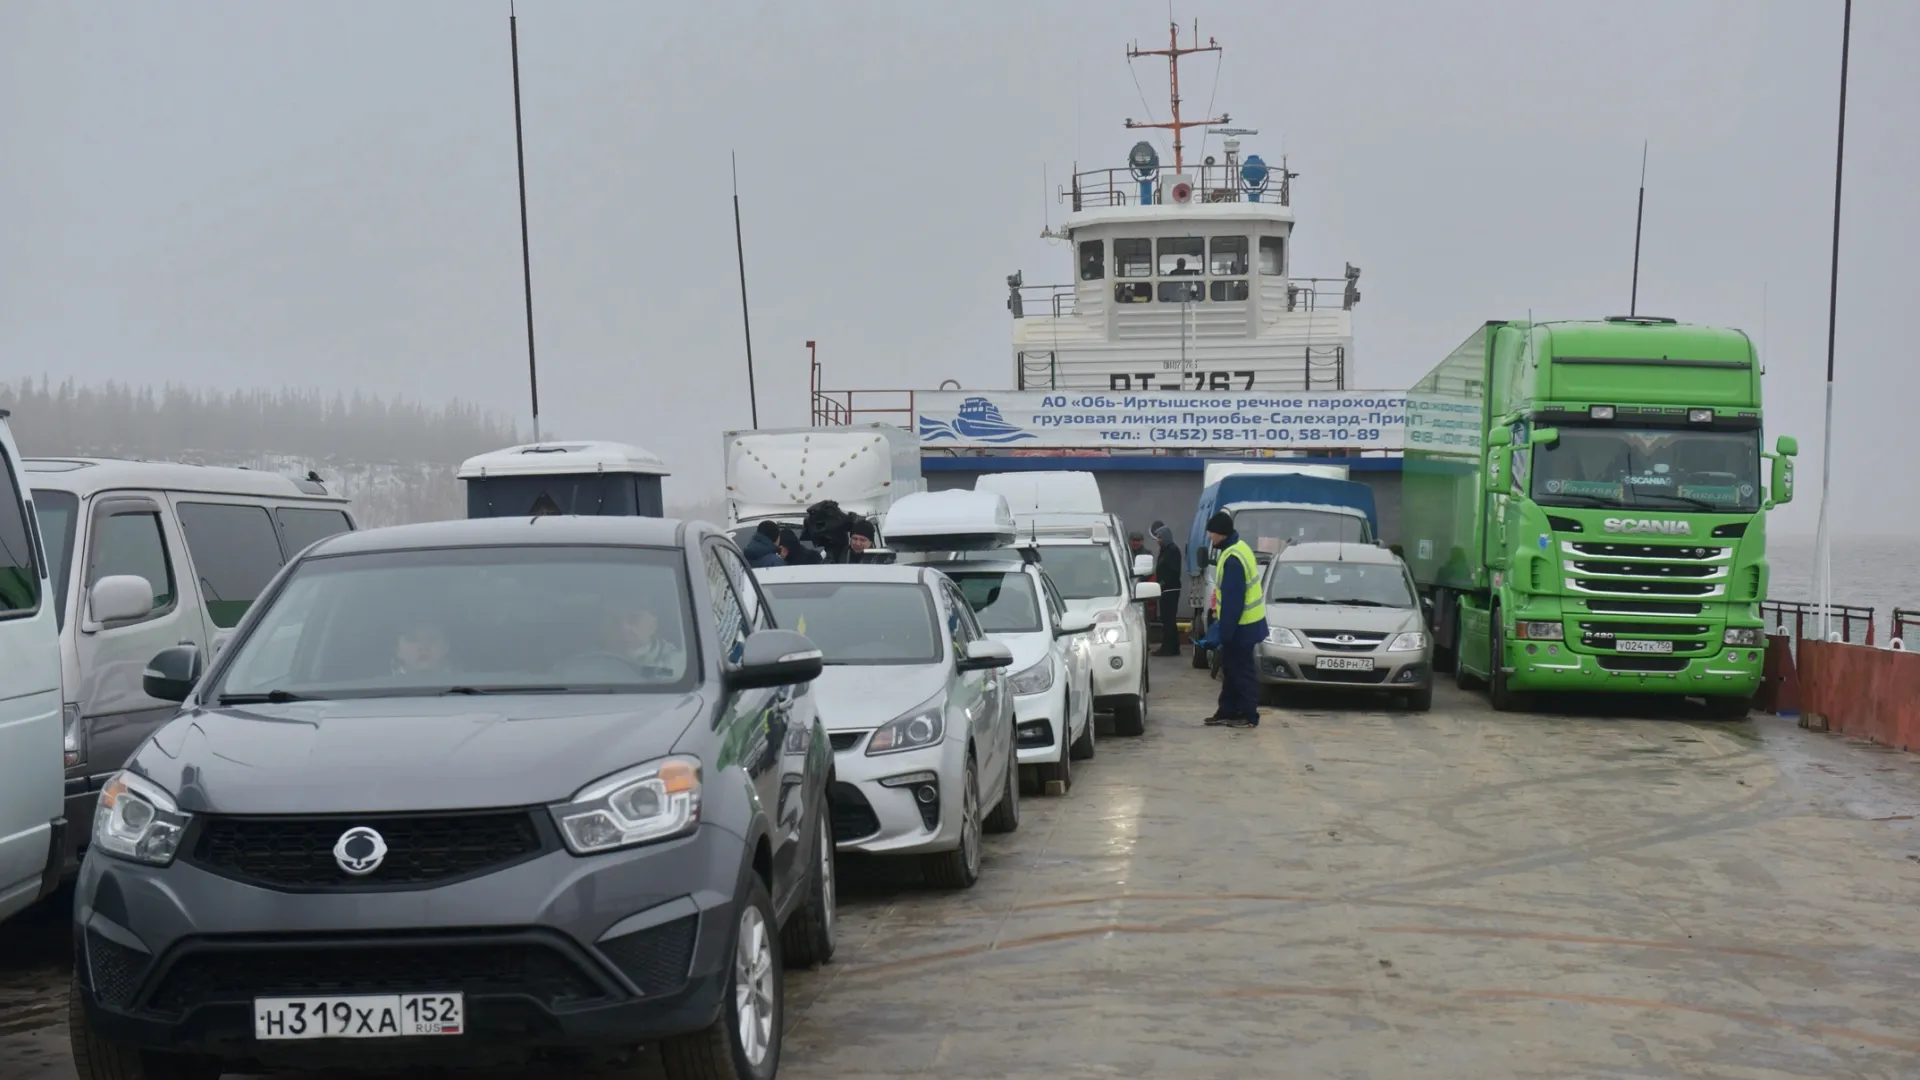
x,y
1639,214
526,258
1173,52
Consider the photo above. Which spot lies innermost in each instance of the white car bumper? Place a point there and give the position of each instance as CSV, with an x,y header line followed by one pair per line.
x,y
1116,669
878,808
1048,707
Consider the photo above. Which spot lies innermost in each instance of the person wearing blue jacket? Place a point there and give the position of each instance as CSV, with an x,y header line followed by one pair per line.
x,y
1238,627
761,551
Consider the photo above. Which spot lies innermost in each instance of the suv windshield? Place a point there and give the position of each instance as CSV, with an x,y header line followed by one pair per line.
x,y
1665,468
1272,529
471,620
1005,601
1366,584
860,622
1081,571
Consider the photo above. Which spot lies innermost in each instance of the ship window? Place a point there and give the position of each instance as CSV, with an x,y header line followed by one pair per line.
x,y
1273,255
1235,289
1227,257
1132,292
1133,258
1181,255
1182,292
1093,260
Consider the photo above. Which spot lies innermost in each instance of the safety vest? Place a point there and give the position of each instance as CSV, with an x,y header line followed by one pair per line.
x,y
1256,608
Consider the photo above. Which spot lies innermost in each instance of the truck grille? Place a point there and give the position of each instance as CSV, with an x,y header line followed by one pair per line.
x,y
1643,663
1664,570
1616,569
1644,607
1621,587
296,853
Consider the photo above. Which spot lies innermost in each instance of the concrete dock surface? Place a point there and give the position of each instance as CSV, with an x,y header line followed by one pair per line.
x,y
1350,893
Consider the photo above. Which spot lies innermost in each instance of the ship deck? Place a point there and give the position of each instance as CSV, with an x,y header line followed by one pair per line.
x,y
1354,893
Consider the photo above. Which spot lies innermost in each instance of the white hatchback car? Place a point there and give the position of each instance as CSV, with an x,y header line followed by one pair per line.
x,y
917,707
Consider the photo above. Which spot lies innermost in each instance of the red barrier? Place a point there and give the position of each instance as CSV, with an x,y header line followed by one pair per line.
x,y
1779,691
1864,693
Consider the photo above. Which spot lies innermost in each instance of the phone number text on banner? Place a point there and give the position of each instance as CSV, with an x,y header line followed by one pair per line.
x,y
1364,419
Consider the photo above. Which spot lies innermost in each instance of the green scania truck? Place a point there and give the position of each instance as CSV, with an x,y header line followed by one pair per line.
x,y
1583,508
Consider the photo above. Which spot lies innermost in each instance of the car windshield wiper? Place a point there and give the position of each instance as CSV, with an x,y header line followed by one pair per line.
x,y
1702,504
270,697
1297,600
1362,603
479,691
1585,500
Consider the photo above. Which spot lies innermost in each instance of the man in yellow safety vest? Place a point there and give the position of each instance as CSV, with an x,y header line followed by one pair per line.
x,y
1239,625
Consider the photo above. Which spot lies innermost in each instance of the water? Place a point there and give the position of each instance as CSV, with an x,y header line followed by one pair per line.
x,y
1880,572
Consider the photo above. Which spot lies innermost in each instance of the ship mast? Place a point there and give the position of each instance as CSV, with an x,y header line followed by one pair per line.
x,y
1173,52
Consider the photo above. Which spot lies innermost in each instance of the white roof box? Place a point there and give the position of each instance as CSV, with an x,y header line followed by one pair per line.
x,y
563,458
949,521
1045,491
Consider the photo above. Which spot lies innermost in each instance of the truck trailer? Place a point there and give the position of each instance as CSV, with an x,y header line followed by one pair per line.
x,y
777,473
1583,508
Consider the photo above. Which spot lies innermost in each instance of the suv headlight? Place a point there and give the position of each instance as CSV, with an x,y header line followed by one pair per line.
x,y
1283,638
138,821
1411,641
1745,635
655,801
920,728
1037,679
1109,628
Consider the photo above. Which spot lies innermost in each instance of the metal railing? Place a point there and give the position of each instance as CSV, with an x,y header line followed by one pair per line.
x,y
1212,184
1306,294
1303,294
1902,619
1803,616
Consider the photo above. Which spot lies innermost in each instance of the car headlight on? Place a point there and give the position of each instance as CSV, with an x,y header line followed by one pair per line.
x,y
1541,631
921,727
1109,628
1744,635
1284,638
655,801
138,821
1037,679
1411,641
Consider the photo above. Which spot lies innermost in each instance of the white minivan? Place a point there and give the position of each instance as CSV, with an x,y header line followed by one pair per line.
x,y
144,556
31,815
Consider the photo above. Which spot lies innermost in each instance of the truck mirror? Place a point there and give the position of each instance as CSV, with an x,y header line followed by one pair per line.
x,y
1496,481
1782,480
1787,446
1499,437
1545,436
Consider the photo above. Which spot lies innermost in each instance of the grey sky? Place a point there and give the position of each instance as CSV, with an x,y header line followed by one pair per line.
x,y
323,193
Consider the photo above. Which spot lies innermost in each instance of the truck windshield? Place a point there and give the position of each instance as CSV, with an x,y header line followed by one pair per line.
x,y
1667,468
1271,529
1364,584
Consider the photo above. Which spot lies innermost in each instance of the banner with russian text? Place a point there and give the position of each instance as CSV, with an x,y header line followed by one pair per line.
x,y
1252,420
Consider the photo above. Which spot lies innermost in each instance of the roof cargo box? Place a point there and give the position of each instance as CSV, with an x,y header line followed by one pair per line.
x,y
1045,492
954,520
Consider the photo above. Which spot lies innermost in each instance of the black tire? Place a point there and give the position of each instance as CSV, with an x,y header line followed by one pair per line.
x,y
1728,708
1462,678
1130,716
960,868
96,1058
1006,816
1420,700
715,1052
1083,748
1498,695
1061,770
808,939
1196,628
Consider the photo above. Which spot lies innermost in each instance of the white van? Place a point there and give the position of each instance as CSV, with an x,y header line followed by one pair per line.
x,y
31,823
144,556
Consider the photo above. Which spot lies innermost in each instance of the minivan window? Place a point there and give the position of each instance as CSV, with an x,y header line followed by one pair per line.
x,y
471,620
235,550
132,544
860,622
1004,600
1081,571
301,528
19,570
56,510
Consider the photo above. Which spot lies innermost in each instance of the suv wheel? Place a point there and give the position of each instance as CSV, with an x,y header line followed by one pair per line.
x,y
807,941
743,1043
960,868
95,1058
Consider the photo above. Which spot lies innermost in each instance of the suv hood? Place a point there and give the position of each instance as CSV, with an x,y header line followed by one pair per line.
x,y
1027,649
1344,617
861,697
381,755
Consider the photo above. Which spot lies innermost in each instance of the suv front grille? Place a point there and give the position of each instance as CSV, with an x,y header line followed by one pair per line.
x,y
296,853
115,970
1357,641
221,972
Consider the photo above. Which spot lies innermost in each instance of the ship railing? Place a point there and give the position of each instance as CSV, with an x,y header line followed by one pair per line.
x,y
1212,184
1303,294
1903,619
1853,623
1055,300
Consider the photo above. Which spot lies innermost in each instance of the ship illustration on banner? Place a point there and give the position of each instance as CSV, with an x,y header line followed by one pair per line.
x,y
979,420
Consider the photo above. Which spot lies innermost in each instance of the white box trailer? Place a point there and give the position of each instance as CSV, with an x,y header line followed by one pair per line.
x,y
776,473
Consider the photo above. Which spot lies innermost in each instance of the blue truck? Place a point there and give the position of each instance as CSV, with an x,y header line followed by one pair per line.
x,y
1270,511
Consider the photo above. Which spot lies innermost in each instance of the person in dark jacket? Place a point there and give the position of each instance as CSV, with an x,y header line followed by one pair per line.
x,y
860,537
1167,571
795,553
1238,627
761,551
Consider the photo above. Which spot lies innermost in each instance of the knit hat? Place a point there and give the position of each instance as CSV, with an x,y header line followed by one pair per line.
x,y
769,529
1221,523
862,527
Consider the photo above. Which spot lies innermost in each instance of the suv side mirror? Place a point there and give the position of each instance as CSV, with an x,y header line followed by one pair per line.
x,y
1142,566
1146,590
985,655
172,673
118,598
1072,624
773,658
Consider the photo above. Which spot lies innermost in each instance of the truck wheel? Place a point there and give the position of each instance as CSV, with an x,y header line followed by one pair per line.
x,y
1501,698
94,1058
1728,708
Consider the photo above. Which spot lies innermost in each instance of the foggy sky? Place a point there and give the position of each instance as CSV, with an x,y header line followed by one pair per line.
x,y
312,193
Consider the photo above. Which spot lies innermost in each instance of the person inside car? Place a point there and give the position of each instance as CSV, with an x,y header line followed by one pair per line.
x,y
421,649
633,634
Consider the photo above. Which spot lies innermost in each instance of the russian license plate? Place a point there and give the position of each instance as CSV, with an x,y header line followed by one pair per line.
x,y
379,1016
1343,663
1644,646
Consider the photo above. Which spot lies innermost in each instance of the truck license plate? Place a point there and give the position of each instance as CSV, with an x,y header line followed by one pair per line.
x,y
1343,663
379,1016
1644,646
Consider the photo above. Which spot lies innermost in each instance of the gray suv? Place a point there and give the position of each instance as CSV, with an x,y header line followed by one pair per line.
x,y
469,792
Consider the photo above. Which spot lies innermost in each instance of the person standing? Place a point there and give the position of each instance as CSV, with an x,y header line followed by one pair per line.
x,y
1238,627
1168,570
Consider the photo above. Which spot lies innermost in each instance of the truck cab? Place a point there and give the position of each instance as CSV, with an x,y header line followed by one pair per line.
x,y
596,479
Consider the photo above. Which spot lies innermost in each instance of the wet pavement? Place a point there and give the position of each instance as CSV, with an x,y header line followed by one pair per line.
x,y
1352,894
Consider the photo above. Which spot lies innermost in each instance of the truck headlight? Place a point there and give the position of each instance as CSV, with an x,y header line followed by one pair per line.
x,y
137,821
1037,679
1284,638
655,801
1411,641
921,727
1541,631
1744,635
1109,628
